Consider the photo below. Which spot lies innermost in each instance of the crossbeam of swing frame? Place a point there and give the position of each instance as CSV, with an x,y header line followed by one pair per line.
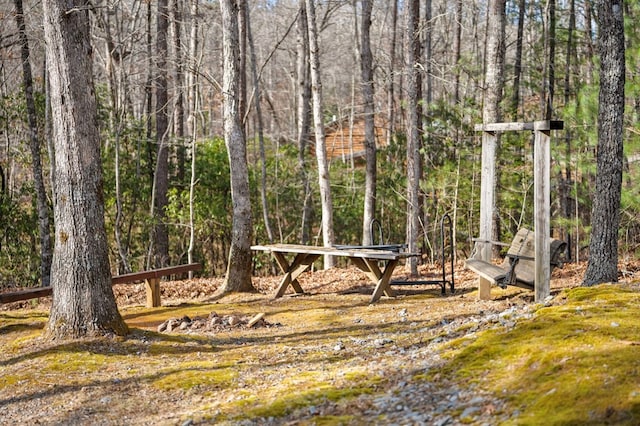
x,y
542,190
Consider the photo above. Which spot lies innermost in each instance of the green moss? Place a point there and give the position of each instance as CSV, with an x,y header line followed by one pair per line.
x,y
76,363
171,344
11,380
200,375
316,394
609,292
334,420
571,364
304,389
25,339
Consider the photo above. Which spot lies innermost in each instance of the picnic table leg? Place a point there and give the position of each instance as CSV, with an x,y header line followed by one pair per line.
x,y
383,283
300,263
360,264
380,278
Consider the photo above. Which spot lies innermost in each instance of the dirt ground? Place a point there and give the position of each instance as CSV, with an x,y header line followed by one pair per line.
x,y
336,280
326,357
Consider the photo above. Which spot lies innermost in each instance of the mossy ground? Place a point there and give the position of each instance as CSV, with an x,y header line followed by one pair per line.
x,y
575,362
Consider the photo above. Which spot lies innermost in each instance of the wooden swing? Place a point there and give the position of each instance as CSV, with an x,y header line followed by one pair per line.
x,y
540,250
518,267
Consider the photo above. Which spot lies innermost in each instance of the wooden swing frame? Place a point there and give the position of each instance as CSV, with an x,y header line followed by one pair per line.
x,y
542,190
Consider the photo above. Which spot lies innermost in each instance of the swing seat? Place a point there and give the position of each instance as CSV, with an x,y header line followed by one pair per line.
x,y
518,268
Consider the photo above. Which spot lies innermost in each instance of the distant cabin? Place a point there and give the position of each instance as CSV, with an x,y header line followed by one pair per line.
x,y
344,139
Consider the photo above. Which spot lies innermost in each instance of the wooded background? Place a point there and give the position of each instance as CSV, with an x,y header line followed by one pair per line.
x,y
158,77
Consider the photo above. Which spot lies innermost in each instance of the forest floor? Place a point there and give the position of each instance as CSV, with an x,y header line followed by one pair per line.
x,y
330,357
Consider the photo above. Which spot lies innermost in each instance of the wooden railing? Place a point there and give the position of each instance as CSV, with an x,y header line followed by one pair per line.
x,y
151,279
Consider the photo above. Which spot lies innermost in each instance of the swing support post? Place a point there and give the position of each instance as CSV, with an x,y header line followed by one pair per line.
x,y
542,189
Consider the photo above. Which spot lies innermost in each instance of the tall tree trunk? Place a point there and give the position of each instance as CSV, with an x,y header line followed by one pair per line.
x,y
116,120
161,175
605,215
494,83
550,60
366,64
565,178
413,135
35,146
83,301
179,110
357,41
192,88
243,12
148,92
193,67
425,101
258,100
425,27
588,45
321,154
304,118
517,67
391,102
456,53
238,276
421,31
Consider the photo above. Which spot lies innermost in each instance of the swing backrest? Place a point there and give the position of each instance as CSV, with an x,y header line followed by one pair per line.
x,y
523,247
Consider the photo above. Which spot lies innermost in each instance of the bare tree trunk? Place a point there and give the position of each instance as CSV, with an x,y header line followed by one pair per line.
x,y
366,64
124,261
242,37
422,35
48,132
425,92
413,136
352,108
321,154
565,178
494,83
391,105
238,276
179,114
148,92
304,118
83,301
550,54
117,115
35,146
161,176
258,100
605,216
588,31
192,88
456,53
517,67
425,27
193,66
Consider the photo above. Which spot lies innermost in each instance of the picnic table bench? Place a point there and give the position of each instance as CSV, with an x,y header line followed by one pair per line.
x,y
365,259
151,279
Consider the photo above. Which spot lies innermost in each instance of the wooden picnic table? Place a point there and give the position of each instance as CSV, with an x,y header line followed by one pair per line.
x,y
365,259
